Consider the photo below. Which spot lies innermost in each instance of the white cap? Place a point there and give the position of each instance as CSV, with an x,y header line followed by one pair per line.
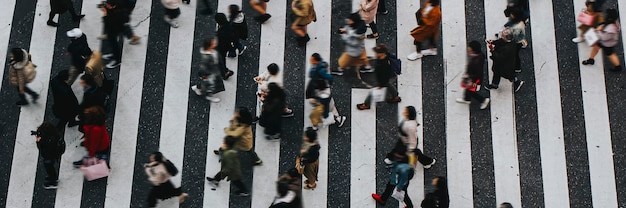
x,y
74,33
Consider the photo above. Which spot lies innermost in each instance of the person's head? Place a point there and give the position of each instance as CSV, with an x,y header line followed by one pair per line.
x,y
610,16
220,19
63,75
506,205
233,9
209,43
353,18
439,182
17,54
273,87
111,4
434,2
473,47
315,59
293,172
230,141
310,135
272,68
94,115
86,80
381,50
156,157
410,113
244,116
74,33
47,129
282,187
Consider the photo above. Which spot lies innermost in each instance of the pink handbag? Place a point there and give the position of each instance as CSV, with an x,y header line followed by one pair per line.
x,y
585,18
94,169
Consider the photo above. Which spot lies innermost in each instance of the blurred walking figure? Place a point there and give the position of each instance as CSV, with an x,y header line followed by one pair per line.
x,y
517,28
51,146
240,128
286,197
65,106
271,76
384,74
21,72
211,81
368,13
309,157
159,175
261,7
401,174
115,18
79,52
294,181
230,168
473,76
240,27
96,138
272,111
60,7
609,33
305,14
354,55
172,11
593,10
504,55
408,139
226,39
440,197
429,17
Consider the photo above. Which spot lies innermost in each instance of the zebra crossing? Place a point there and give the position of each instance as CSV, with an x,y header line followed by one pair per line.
x,y
556,143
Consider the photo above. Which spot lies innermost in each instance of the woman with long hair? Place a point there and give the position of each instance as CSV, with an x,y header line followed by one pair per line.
x,y
97,141
272,111
159,175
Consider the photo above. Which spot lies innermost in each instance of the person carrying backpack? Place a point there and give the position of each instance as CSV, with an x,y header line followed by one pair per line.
x,y
384,74
159,172
51,146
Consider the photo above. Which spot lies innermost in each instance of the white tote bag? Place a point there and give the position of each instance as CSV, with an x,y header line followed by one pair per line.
x,y
591,37
378,94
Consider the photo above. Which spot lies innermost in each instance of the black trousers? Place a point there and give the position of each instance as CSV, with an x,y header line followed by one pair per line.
x,y
390,188
496,79
381,6
113,40
223,68
242,188
51,171
418,45
471,94
163,191
27,91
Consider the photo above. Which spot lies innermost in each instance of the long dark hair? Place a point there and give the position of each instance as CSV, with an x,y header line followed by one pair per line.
x,y
18,54
610,16
158,157
412,112
234,11
94,116
245,117
47,130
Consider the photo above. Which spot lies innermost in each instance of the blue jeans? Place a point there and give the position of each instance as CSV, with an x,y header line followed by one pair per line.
x,y
400,175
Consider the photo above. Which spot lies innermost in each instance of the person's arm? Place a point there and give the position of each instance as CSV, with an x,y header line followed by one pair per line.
x,y
411,131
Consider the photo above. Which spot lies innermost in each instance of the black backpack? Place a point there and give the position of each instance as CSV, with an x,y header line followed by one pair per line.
x,y
60,146
171,168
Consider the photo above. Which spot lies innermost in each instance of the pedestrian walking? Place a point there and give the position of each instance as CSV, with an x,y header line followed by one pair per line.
x,y
594,10
384,74
172,11
241,128
504,55
211,81
294,181
354,55
21,72
51,146
608,33
225,40
272,111
323,105
309,158
438,198
115,17
159,174
65,106
517,27
401,175
368,13
261,7
304,12
230,168
96,138
286,197
473,76
318,71
520,6
79,52
240,27
430,19
271,76
60,7
408,138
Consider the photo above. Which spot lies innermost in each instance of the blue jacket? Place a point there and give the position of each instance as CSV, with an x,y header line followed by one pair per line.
x,y
320,71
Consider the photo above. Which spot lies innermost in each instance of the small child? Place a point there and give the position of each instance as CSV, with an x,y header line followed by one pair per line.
x,y
206,86
172,11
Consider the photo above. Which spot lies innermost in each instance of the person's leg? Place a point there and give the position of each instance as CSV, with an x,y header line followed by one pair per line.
x,y
242,188
51,16
467,95
407,200
392,92
172,191
255,157
32,93
258,6
365,61
374,28
368,100
614,59
423,159
50,170
218,176
594,51
418,46
495,81
387,193
152,196
333,108
114,45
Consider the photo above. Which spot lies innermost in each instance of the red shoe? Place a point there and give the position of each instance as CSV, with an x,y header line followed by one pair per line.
x,y
378,199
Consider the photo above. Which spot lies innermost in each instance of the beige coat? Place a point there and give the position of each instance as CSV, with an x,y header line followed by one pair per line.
x,y
368,10
95,68
16,72
241,131
304,10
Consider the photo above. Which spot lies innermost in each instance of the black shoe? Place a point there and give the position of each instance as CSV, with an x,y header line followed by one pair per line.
x,y
228,74
52,23
78,17
35,98
214,183
255,120
589,62
21,102
491,86
383,12
265,17
518,85
364,69
338,72
288,114
50,185
216,152
258,162
73,123
617,68
372,36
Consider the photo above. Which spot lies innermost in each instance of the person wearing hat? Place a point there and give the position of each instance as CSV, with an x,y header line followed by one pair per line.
x,y
60,7
353,34
79,52
383,73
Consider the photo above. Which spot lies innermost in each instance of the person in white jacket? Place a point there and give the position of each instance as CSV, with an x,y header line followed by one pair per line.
x,y
172,11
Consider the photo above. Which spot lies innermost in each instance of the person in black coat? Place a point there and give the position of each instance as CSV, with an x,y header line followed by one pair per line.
x,y
225,40
440,197
116,15
51,146
504,55
240,28
65,106
473,76
79,52
286,198
384,73
93,95
272,111
60,7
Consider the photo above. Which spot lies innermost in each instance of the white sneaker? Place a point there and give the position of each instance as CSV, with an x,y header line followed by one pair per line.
x,y
485,103
107,56
196,90
113,64
578,40
212,99
388,161
430,165
414,56
461,100
430,52
172,22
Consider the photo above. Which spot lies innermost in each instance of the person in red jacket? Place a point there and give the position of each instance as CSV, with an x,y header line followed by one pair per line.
x,y
97,142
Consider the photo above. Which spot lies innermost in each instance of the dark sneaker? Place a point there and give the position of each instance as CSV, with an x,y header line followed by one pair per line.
x,y
214,183
589,62
518,85
518,70
394,100
21,102
50,185
243,194
337,71
78,17
258,162
491,86
288,113
216,152
366,69
372,36
52,23
35,98
384,12
229,73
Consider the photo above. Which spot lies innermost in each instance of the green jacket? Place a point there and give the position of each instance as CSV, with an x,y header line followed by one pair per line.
x,y
230,165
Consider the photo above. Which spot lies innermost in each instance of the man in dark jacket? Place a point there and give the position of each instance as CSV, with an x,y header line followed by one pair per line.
x,y
504,55
79,52
115,16
65,106
60,7
51,146
384,73
473,76
225,40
